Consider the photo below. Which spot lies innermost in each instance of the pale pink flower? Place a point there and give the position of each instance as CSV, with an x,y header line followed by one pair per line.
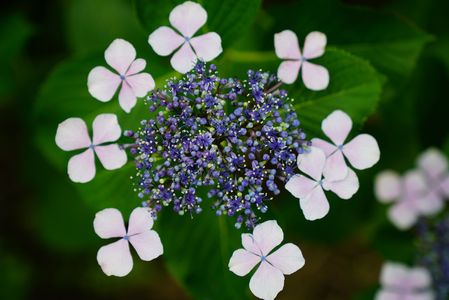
x,y
268,280
187,19
310,187
115,258
400,282
286,45
103,84
72,134
362,151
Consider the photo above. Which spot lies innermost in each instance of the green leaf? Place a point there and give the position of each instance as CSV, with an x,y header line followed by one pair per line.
x,y
230,19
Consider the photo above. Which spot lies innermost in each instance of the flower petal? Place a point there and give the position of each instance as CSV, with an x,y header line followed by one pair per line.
x,y
288,259
327,147
140,221
337,126
115,259
102,83
188,17
81,167
250,244
137,66
108,223
388,295
165,40
430,204
207,46
335,167
288,71
426,295
120,54
403,215
387,186
300,186
126,97
141,83
266,282
184,59
314,45
362,151
286,45
393,274
111,156
147,244
106,129
268,235
345,188
242,262
433,162
72,135
315,77
315,205
419,278
414,184
444,185
312,163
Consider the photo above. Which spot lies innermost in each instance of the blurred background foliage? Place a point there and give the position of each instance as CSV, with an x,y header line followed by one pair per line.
x,y
389,67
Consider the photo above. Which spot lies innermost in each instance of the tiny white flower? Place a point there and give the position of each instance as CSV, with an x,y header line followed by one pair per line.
x,y
310,189
115,258
268,280
187,19
286,45
103,84
400,282
72,134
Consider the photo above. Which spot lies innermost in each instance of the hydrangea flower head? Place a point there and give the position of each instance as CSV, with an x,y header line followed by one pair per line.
x,y
103,84
237,139
268,280
72,134
187,18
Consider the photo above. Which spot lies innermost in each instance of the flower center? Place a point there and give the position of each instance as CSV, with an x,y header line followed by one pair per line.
x,y
126,238
340,147
187,39
122,77
263,258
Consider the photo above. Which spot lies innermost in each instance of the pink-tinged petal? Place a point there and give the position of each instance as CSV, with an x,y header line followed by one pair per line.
x,y
388,295
419,278
127,98
430,204
147,244
433,162
414,184
286,45
337,126
387,186
315,205
165,40
141,83
403,215
184,59
188,17
140,221
102,83
242,262
315,77
72,135
115,259
327,147
393,275
362,151
288,71
81,167
267,282
444,185
137,66
426,295
108,223
335,167
268,235
111,156
314,45
345,188
312,163
300,186
120,54
207,46
250,244
288,259
106,129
